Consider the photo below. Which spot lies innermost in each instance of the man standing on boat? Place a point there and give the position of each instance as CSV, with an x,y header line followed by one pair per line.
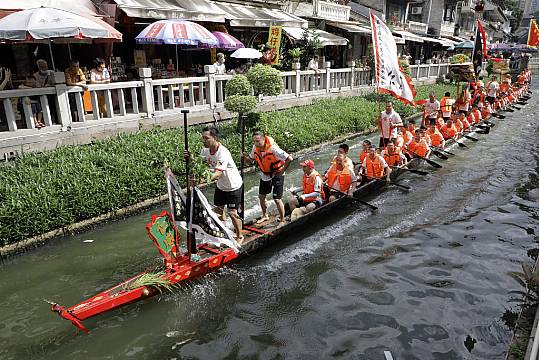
x,y
229,182
432,108
272,162
492,90
388,122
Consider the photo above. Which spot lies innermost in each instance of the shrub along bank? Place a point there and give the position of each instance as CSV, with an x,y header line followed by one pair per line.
x,y
46,191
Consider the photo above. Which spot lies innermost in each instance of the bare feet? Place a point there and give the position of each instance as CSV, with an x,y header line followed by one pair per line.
x,y
262,219
239,239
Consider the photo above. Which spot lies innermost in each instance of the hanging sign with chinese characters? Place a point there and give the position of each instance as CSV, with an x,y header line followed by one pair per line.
x,y
274,43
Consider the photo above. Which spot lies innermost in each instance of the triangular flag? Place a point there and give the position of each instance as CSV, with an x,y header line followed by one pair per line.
x,y
533,34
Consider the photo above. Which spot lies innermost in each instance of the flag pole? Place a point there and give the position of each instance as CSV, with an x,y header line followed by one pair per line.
x,y
190,240
242,166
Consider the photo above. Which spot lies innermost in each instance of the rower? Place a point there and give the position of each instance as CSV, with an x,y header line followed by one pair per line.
x,y
312,187
463,101
343,149
273,162
446,106
475,115
388,122
409,133
449,131
393,156
419,146
340,179
464,121
228,189
374,167
436,137
366,145
432,108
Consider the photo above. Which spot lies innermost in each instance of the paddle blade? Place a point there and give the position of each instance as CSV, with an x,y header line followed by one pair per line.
x,y
433,163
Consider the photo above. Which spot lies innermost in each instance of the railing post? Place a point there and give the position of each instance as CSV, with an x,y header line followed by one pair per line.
x,y
352,77
209,70
298,82
145,75
328,76
64,115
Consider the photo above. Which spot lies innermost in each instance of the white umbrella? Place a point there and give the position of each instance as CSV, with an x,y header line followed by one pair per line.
x,y
246,53
50,23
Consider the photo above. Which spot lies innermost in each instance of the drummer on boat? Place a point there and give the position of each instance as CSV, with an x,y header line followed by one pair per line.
x,y
272,162
229,182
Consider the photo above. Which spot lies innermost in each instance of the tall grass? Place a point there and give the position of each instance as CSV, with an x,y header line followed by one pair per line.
x,y
40,192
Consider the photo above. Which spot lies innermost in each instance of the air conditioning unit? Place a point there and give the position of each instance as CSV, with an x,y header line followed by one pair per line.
x,y
417,10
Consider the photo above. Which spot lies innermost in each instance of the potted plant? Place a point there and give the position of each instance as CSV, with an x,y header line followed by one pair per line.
x,y
295,54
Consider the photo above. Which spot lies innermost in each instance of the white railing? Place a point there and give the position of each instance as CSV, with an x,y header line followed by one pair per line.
x,y
331,11
66,106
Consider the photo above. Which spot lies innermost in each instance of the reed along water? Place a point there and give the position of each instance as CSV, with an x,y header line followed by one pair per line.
x,y
426,277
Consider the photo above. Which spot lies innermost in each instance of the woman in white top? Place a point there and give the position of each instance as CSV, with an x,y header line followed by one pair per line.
x,y
219,65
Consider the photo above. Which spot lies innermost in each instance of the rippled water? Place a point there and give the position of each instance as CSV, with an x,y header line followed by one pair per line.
x,y
424,278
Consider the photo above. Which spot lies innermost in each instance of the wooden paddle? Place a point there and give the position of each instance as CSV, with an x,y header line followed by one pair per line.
x,y
499,116
470,137
407,188
447,152
430,162
353,198
439,154
413,171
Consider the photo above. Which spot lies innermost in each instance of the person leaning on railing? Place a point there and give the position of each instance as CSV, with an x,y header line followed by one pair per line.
x,y
100,75
74,77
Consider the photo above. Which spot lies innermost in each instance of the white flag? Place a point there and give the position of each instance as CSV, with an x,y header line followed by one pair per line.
x,y
389,77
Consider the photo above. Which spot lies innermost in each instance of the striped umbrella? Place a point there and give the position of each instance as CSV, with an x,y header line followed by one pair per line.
x,y
227,41
177,32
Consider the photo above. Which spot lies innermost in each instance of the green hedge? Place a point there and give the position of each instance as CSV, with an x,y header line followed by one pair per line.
x,y
45,191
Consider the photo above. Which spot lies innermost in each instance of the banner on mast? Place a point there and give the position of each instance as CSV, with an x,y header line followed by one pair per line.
x,y
205,224
479,49
389,76
533,34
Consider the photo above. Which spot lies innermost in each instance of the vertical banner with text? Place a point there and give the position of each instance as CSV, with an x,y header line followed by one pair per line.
x,y
274,43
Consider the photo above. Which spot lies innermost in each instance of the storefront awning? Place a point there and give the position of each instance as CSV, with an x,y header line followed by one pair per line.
x,y
350,27
441,41
324,37
408,36
196,10
252,16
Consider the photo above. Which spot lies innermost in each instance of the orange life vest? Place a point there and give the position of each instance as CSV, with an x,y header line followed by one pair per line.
x,y
449,132
504,87
418,148
465,124
458,125
399,141
374,167
343,176
408,136
445,105
308,186
477,116
266,159
436,138
362,156
392,159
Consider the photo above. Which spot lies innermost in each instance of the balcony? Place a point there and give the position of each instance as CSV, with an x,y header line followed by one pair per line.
x,y
331,11
468,6
417,27
447,28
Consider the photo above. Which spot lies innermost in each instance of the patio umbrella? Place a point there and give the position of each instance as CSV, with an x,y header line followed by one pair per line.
x,y
46,23
499,47
464,45
523,48
177,32
227,41
246,53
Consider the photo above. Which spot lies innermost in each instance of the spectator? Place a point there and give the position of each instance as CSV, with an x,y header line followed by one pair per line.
x,y
74,77
43,76
219,65
5,84
100,75
313,64
36,113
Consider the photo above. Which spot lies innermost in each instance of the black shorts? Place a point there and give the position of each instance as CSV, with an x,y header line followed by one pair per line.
x,y
491,100
463,112
276,182
383,142
446,118
432,121
232,199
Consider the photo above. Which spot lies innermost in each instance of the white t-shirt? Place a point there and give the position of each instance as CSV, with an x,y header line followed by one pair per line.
x,y
279,153
222,160
220,69
313,65
492,88
392,118
432,108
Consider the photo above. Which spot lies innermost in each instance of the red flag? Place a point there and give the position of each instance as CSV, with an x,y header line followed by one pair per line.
x,y
533,34
484,37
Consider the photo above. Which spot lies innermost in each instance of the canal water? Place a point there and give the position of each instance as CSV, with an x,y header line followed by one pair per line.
x,y
425,277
